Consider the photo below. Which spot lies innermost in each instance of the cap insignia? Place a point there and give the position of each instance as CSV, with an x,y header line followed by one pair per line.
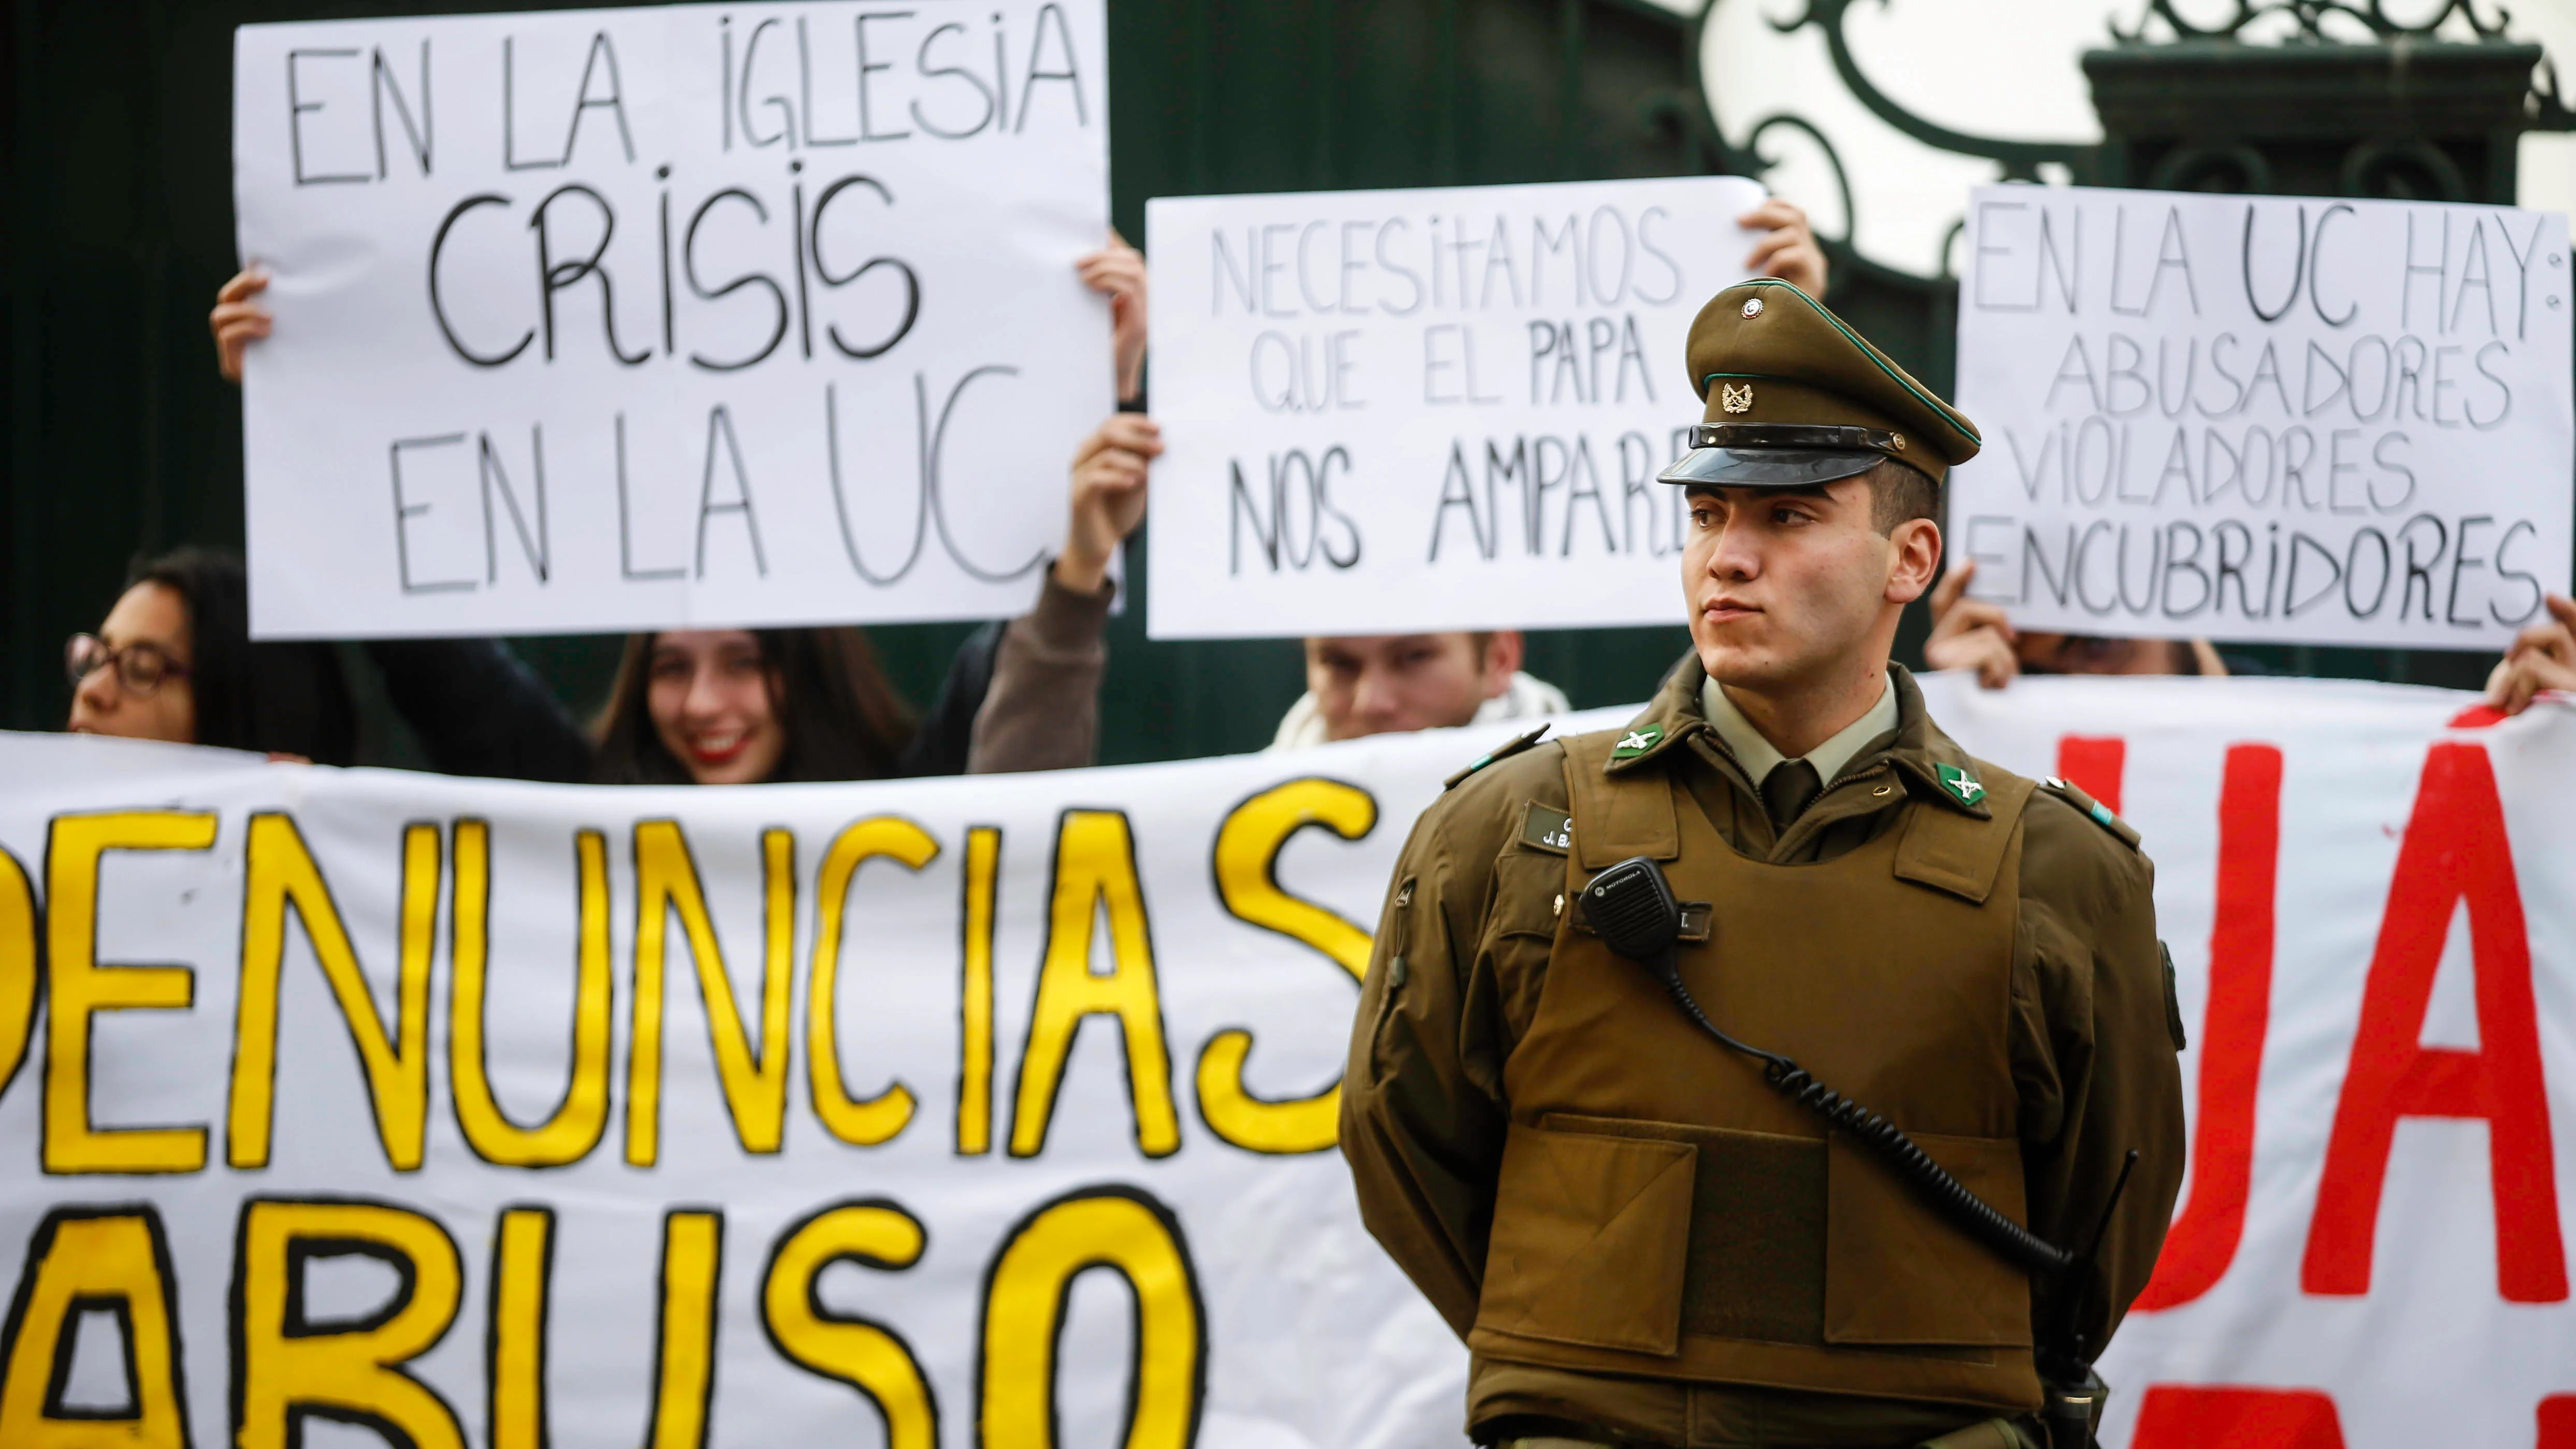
x,y
1637,741
1960,783
1752,306
1735,399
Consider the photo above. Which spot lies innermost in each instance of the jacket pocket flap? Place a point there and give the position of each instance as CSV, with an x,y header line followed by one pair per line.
x,y
1899,1270
1591,1234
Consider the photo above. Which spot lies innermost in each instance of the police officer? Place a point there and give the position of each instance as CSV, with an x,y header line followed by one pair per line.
x,y
1642,1240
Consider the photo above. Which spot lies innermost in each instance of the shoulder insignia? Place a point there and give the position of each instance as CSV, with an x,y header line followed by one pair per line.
x,y
1503,751
2093,810
1637,741
1965,787
1544,827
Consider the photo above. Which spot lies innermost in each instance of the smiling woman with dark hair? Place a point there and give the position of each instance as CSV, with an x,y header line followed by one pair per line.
x,y
174,661
743,706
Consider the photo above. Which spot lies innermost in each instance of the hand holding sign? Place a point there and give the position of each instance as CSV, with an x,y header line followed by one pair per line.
x,y
238,320
1118,272
1787,248
1970,633
2543,656
1109,473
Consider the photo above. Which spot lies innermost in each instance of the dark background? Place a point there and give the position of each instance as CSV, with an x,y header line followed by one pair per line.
x,y
123,440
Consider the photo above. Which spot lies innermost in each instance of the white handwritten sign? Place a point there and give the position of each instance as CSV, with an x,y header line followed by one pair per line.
x,y
2274,418
752,314
1402,410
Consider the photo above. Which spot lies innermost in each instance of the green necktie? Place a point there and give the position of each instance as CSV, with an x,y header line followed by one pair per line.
x,y
1788,790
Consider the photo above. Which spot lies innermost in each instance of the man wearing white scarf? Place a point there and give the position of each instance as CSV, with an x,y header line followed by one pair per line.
x,y
1371,685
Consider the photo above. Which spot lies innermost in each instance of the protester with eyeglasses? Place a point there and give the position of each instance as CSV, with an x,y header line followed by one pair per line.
x,y
174,661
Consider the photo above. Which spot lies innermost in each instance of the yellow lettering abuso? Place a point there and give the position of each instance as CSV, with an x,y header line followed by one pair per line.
x,y
83,1258
522,1249
279,873
869,1357
582,1120
1247,880
78,985
1095,867
1024,1313
754,1080
692,1259
17,966
285,1366
975,994
882,1117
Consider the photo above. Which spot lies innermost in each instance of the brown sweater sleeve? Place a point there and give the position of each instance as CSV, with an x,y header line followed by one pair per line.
x,y
1042,711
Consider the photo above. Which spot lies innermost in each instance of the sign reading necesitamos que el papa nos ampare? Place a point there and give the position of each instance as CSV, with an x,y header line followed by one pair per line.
x,y
1427,409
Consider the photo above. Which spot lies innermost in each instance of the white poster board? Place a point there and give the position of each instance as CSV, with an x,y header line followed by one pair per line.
x,y
699,315
1390,411
2295,420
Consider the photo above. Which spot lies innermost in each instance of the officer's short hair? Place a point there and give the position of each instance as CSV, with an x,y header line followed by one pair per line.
x,y
1900,493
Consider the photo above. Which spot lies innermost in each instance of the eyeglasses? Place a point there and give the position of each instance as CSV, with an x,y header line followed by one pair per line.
x,y
140,668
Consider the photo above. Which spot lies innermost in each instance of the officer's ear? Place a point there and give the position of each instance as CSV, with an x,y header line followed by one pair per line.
x,y
1913,559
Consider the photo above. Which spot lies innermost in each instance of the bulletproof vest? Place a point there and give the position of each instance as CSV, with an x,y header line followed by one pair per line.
x,y
1664,1213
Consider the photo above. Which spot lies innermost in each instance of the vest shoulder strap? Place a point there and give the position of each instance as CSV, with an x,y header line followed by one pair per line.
x,y
1617,816
1952,851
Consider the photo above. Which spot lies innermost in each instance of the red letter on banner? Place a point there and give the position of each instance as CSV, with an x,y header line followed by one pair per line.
x,y
2558,1422
2455,849
2093,764
2204,1236
2189,1417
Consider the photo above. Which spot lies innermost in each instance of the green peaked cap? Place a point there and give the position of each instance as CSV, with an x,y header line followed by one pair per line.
x,y
1795,396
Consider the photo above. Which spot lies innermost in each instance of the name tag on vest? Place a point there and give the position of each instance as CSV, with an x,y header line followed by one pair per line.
x,y
1546,829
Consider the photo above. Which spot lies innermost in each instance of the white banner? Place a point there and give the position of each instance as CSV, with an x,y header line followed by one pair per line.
x,y
2299,420
803,1114
1390,411
696,315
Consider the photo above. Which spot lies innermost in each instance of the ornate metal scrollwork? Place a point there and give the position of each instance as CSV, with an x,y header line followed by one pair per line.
x,y
2413,168
1763,163
2372,167
2311,17
2549,109
2190,168
2021,159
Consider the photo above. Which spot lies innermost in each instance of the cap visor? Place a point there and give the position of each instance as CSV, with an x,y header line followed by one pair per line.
x,y
1767,467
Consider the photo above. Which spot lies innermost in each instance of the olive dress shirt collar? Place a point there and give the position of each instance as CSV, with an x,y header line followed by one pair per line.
x,y
1759,756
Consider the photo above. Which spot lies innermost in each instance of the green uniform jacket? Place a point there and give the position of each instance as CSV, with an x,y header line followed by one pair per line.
x,y
1424,1114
